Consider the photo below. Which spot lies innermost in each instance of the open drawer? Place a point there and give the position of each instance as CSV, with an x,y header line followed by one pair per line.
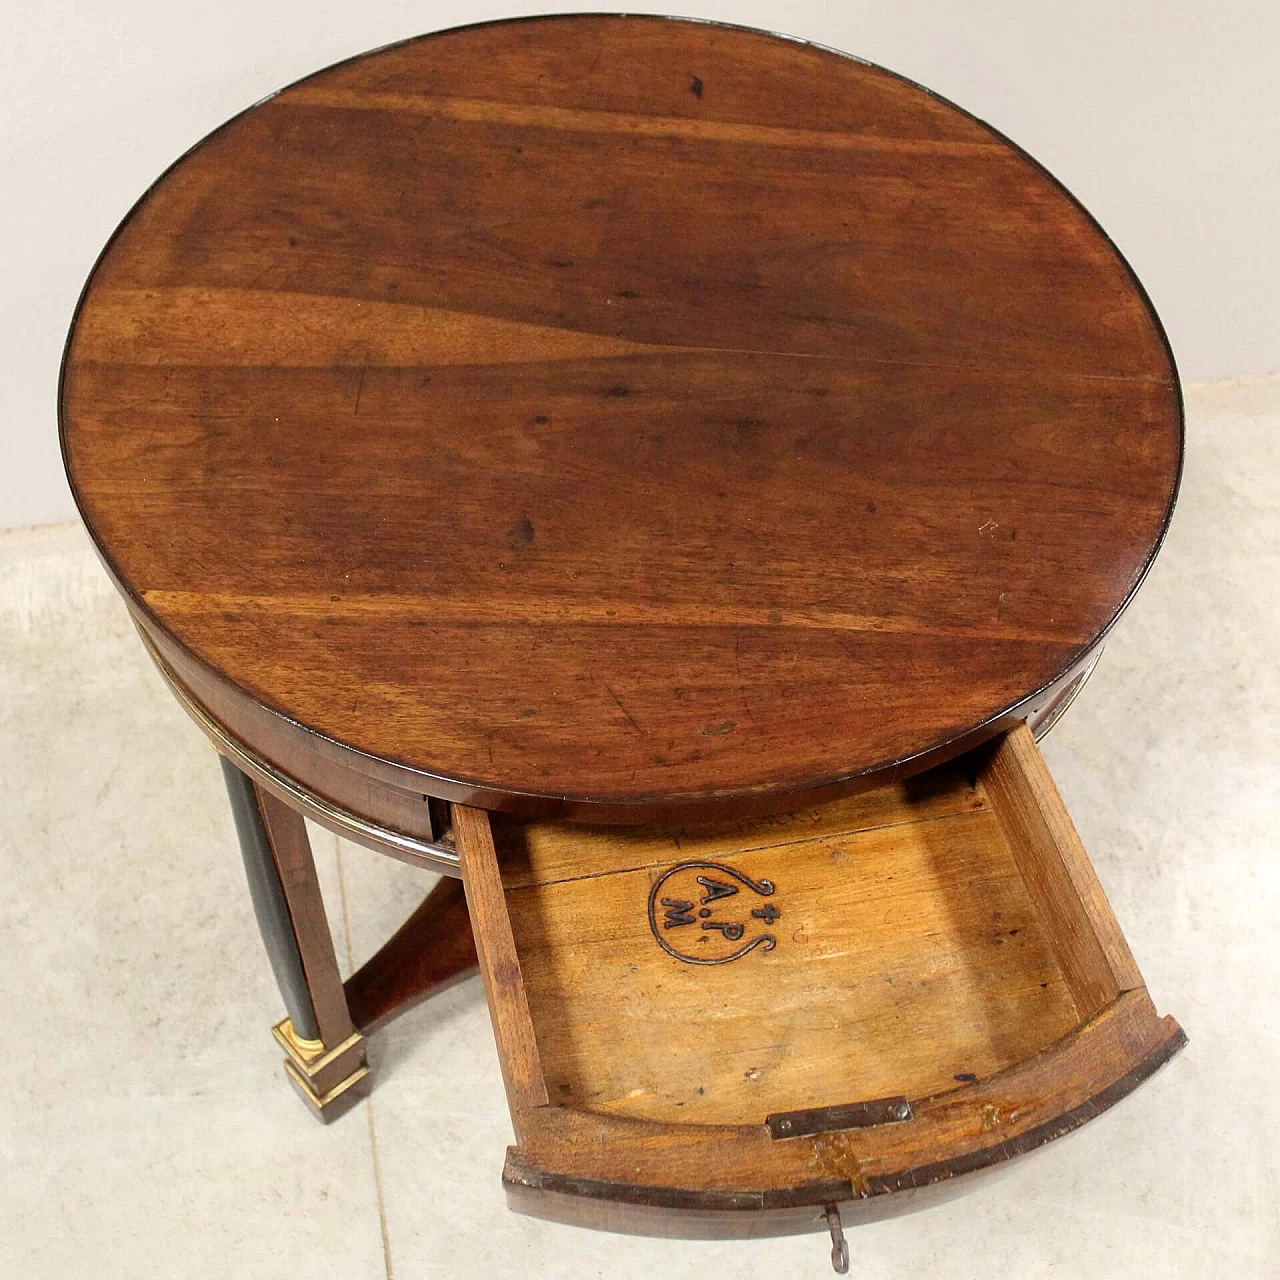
x,y
740,1028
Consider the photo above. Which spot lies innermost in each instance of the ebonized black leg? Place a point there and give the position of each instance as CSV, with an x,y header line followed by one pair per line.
x,y
326,1059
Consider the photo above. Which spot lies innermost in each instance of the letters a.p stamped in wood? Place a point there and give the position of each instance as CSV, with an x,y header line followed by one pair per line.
x,y
714,903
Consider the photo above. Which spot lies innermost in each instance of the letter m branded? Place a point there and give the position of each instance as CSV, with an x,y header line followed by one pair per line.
x,y
678,912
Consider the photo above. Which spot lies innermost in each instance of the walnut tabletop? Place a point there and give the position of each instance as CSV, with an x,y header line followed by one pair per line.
x,y
617,416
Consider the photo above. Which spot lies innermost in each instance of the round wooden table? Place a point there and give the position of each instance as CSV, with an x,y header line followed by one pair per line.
x,y
610,419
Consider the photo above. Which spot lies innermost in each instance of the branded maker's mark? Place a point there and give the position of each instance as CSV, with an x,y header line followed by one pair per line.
x,y
707,898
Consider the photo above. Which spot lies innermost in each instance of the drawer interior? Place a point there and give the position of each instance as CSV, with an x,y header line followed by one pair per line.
x,y
907,956
925,940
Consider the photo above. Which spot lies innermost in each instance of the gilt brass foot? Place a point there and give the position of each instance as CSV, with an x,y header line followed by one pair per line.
x,y
329,1081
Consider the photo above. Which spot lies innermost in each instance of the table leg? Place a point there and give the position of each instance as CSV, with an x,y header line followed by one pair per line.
x,y
325,1053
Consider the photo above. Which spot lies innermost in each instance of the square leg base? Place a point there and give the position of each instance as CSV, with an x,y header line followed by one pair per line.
x,y
329,1081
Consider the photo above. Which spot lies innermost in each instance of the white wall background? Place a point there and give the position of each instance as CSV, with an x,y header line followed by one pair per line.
x,y
1163,116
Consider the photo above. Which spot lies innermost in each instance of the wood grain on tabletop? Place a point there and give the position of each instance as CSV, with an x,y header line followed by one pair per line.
x,y
620,410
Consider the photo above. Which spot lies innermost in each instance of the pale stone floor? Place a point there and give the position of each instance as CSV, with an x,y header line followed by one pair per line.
x,y
146,1129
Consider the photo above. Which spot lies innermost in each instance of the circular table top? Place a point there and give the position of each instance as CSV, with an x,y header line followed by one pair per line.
x,y
623,410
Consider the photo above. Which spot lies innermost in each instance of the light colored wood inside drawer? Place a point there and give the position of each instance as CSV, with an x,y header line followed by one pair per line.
x,y
939,949
908,957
